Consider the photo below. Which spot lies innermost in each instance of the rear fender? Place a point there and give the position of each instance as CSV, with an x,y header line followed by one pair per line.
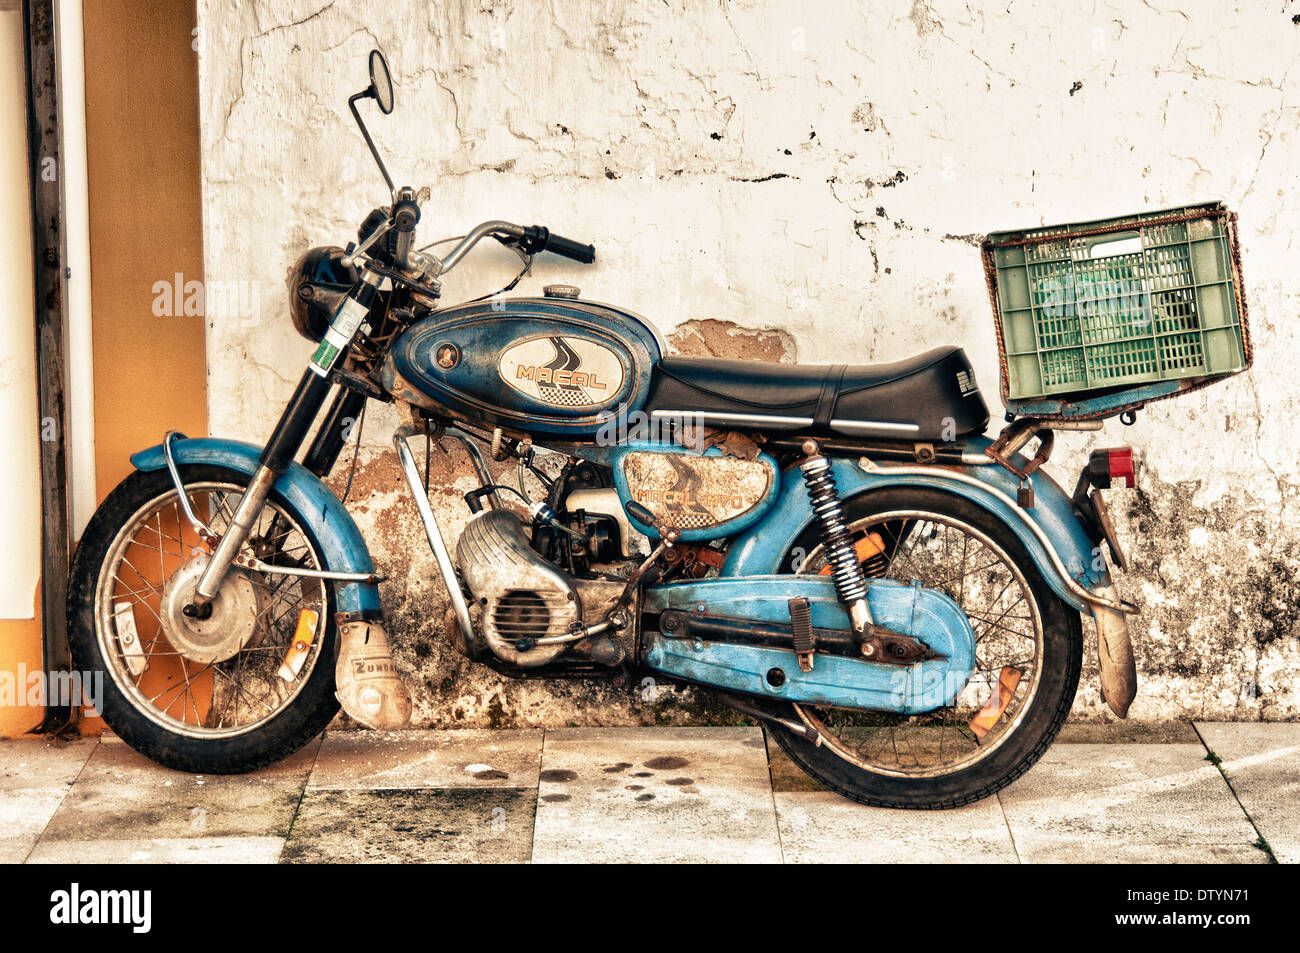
x,y
343,548
1055,539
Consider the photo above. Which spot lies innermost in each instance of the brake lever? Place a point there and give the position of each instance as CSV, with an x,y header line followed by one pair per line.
x,y
516,245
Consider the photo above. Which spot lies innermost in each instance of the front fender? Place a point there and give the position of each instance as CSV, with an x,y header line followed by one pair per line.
x,y
343,548
1065,555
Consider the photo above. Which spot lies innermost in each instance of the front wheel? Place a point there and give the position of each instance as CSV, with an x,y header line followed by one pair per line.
x,y
1028,646
223,695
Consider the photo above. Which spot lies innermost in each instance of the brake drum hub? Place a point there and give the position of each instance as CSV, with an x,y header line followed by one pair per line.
x,y
228,629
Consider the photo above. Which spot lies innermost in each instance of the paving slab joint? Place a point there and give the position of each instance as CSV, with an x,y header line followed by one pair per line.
x,y
1214,759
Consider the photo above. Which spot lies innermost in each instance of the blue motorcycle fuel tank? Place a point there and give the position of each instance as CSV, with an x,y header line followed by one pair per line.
x,y
548,367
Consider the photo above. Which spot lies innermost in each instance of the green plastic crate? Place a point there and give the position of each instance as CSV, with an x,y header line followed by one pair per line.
x,y
1118,303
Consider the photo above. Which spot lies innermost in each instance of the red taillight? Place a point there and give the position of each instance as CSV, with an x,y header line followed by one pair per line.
x,y
1107,466
1120,464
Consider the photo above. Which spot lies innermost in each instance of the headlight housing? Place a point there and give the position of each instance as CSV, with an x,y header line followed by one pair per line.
x,y
317,284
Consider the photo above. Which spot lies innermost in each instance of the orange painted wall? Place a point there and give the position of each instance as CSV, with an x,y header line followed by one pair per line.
x,y
142,132
20,648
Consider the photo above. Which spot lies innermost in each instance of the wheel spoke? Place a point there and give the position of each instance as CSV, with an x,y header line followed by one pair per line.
x,y
943,553
170,688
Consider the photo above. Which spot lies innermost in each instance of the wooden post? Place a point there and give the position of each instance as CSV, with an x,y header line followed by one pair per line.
x,y
51,282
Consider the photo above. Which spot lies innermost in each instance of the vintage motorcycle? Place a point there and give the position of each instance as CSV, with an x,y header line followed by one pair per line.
x,y
837,550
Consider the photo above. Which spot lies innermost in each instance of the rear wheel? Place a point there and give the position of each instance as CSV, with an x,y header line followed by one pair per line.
x,y
223,695
1028,655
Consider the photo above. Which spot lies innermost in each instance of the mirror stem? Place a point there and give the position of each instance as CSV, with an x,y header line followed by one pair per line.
x,y
365,133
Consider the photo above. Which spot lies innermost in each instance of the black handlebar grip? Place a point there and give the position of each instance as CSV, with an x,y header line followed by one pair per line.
x,y
571,249
538,238
406,214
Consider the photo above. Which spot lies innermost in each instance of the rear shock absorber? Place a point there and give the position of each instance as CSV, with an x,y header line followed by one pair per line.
x,y
850,583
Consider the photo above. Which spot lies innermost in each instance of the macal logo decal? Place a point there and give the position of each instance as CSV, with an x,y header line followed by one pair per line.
x,y
691,501
558,376
562,371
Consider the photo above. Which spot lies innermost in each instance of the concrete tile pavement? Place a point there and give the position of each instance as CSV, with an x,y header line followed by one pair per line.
x,y
164,850
659,795
413,826
120,797
643,795
1262,765
35,777
394,760
822,827
1103,803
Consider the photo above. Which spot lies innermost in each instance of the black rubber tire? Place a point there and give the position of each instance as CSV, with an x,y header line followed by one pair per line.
x,y
1062,658
305,717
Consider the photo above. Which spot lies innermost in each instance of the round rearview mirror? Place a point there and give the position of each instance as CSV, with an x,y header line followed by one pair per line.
x,y
381,82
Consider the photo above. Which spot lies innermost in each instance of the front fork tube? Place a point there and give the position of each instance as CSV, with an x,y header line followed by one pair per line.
x,y
335,429
286,438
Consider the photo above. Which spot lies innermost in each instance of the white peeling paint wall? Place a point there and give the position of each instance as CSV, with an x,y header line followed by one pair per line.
x,y
823,168
20,513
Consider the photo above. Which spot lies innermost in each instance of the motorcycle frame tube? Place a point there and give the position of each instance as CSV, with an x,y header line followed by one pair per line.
x,y
343,547
1050,531
479,461
433,532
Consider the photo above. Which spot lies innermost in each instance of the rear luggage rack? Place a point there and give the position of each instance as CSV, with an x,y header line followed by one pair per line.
x,y
1099,318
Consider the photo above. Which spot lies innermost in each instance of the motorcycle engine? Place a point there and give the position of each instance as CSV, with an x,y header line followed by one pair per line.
x,y
523,597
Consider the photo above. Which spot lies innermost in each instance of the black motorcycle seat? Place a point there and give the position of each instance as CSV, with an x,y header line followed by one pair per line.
x,y
931,396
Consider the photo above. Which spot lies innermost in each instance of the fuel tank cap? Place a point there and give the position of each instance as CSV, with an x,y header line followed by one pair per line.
x,y
561,291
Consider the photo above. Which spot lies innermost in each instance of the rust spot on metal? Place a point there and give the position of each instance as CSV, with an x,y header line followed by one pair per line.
x,y
690,492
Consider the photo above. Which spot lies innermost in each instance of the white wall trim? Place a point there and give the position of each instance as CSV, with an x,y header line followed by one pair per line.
x,y
76,222
20,515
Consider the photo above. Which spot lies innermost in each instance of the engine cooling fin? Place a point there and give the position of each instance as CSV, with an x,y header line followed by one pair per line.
x,y
524,598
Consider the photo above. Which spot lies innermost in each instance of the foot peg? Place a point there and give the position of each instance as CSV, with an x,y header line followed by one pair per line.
x,y
366,679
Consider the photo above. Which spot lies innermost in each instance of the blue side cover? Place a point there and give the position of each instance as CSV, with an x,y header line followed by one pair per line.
x,y
925,614
344,548
762,550
727,528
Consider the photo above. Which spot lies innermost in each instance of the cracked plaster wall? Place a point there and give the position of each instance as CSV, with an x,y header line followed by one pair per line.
x,y
782,180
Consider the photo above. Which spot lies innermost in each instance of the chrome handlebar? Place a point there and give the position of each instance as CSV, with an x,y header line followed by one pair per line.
x,y
475,235
532,239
